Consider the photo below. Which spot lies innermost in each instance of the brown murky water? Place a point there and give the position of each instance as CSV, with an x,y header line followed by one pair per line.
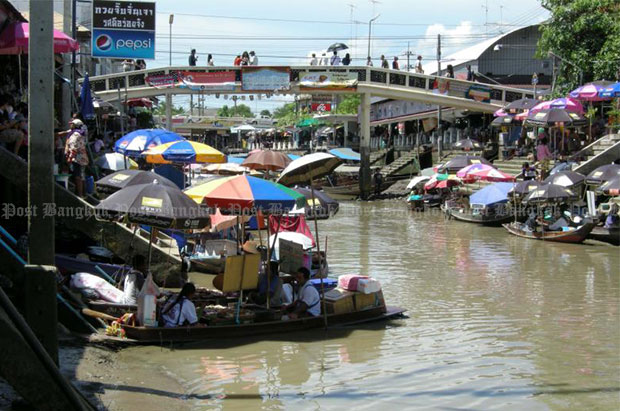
x,y
495,322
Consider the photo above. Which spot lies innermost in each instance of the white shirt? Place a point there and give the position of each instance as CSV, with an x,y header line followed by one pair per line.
x,y
172,318
314,61
324,61
309,295
335,60
254,60
130,288
559,223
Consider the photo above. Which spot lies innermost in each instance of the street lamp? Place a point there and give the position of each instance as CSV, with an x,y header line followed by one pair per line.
x,y
369,26
552,54
170,21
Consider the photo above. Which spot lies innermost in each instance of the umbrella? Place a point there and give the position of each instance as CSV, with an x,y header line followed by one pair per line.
x,y
246,194
226,168
565,179
267,160
430,171
86,100
125,178
523,188
183,151
115,162
416,181
467,144
520,105
323,204
134,143
15,37
439,181
603,173
491,194
565,103
590,91
610,91
345,153
337,47
298,238
564,166
243,127
308,168
220,222
139,102
554,117
550,193
483,172
500,113
459,162
611,187
503,121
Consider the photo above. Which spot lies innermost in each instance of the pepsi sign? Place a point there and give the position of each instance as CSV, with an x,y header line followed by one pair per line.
x,y
123,29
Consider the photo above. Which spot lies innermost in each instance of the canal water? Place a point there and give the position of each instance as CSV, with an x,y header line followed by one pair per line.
x,y
494,322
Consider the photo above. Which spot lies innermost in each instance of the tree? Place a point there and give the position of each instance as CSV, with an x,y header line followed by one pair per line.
x,y
288,116
349,104
240,111
584,33
265,113
161,109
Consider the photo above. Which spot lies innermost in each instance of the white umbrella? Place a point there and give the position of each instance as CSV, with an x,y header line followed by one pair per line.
x,y
232,168
417,180
309,167
297,238
116,162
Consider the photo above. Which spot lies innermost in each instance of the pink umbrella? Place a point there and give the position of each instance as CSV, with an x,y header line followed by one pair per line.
x,y
483,172
566,103
590,91
522,116
500,113
14,40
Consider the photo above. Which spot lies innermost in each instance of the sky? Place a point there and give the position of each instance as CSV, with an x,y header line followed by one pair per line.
x,y
286,32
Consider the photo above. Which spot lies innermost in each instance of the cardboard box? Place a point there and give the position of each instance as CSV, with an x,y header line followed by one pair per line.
x,y
365,301
339,301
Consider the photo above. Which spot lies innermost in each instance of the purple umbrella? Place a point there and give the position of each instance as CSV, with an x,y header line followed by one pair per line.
x,y
590,91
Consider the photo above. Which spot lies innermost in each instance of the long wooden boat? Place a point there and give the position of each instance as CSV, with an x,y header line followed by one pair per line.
x,y
577,235
466,215
69,265
608,235
160,335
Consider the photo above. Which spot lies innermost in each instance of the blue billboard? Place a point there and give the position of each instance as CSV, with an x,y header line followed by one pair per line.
x,y
123,29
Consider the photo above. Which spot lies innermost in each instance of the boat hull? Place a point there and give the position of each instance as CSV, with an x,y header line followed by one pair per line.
x,y
574,236
608,235
461,215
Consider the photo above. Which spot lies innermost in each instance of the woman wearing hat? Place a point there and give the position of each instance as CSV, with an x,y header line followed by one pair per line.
x,y
76,156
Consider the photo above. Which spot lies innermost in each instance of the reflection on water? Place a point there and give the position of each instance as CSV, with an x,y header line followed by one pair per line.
x,y
495,321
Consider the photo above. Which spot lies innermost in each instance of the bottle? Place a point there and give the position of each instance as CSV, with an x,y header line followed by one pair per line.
x,y
147,303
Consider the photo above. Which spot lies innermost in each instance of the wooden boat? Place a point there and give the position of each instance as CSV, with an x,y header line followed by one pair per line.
x,y
160,335
478,216
576,235
608,235
69,265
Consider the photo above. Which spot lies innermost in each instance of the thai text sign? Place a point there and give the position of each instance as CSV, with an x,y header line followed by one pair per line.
x,y
265,78
328,81
162,80
123,29
216,81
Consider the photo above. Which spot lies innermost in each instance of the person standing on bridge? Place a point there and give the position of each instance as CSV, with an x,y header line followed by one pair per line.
x,y
335,60
450,71
253,59
192,58
384,62
369,61
418,66
210,60
395,64
313,60
346,60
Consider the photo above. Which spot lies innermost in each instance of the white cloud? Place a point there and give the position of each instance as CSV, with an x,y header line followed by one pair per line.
x,y
452,39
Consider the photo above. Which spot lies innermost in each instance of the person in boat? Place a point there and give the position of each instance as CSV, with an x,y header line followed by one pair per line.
x,y
559,223
274,287
613,219
181,310
308,301
134,279
532,221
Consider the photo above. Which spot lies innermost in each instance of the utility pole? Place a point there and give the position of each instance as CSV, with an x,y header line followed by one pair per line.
x,y
408,54
439,131
74,36
170,21
67,67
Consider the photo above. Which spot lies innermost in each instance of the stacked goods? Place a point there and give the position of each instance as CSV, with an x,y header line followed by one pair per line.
x,y
366,291
339,301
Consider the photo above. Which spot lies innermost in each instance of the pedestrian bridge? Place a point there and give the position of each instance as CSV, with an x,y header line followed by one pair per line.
x,y
368,81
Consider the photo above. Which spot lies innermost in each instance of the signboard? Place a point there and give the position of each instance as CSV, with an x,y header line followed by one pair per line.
x,y
291,256
479,93
123,29
321,107
162,80
265,78
216,81
327,81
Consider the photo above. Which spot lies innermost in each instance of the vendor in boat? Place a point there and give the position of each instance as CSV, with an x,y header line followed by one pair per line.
x,y
181,310
559,222
613,219
134,279
274,287
308,301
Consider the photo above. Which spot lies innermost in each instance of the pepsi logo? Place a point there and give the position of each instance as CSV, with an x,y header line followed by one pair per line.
x,y
123,144
103,42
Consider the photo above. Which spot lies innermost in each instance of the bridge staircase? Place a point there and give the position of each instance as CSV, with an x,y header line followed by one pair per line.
x,y
394,170
78,215
603,151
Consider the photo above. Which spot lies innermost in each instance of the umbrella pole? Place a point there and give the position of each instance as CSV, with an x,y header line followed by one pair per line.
x,y
150,248
318,249
19,64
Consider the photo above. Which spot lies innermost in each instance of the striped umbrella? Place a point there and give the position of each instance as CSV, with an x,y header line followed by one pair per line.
x,y
134,143
566,103
246,194
590,91
183,152
483,172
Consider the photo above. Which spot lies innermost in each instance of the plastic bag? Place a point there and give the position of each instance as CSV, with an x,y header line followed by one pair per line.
x,y
147,303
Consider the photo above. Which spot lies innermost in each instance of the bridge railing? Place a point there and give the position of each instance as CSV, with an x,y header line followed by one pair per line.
x,y
365,76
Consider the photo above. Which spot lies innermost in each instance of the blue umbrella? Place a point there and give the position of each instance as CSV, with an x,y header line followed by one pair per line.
x,y
610,91
293,156
491,194
345,153
86,100
134,143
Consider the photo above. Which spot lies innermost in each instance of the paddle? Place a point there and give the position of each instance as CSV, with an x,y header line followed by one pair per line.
x,y
97,314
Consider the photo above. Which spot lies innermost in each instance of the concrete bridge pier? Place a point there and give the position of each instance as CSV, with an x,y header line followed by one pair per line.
x,y
364,178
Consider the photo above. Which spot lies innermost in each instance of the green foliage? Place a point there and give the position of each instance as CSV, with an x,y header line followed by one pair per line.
x,y
144,119
585,33
349,104
286,115
161,109
265,113
240,111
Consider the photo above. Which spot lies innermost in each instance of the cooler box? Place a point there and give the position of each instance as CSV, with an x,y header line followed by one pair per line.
x,y
328,284
368,285
349,282
366,301
339,301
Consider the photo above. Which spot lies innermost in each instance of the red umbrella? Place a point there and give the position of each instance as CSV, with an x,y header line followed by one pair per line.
x,y
139,102
14,40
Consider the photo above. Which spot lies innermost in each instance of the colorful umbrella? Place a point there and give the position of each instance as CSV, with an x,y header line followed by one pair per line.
x,y
246,194
459,162
565,103
467,144
550,193
115,162
491,194
610,91
15,37
554,117
483,172
416,181
323,204
590,91
565,179
500,113
134,143
226,168
125,178
603,173
504,121
184,151
438,182
266,160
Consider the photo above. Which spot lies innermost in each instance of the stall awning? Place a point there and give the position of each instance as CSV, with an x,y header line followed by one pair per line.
x,y
345,153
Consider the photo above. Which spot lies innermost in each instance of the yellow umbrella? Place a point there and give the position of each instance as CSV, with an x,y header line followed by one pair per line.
x,y
183,152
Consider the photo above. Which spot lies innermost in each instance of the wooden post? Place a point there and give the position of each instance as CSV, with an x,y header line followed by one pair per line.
x,y
364,178
318,249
